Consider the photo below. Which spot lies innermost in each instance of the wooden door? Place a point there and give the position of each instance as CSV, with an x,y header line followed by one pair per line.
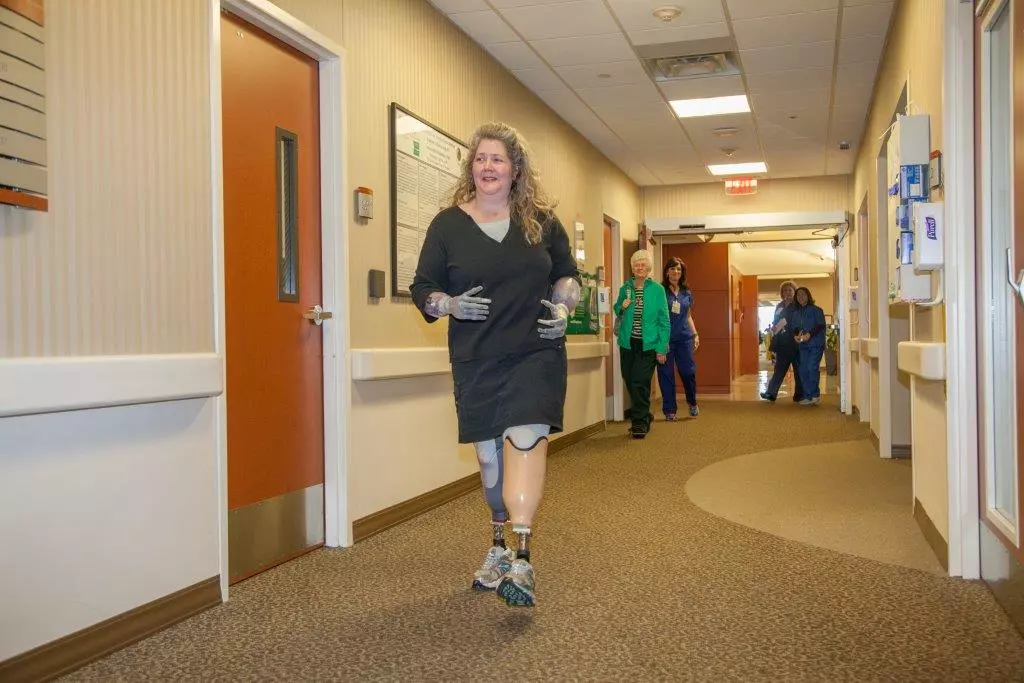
x,y
608,320
275,439
1000,239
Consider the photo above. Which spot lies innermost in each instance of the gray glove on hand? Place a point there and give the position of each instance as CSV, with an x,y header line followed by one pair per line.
x,y
555,328
465,306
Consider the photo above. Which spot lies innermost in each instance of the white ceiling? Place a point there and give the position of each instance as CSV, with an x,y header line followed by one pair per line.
x,y
807,66
783,258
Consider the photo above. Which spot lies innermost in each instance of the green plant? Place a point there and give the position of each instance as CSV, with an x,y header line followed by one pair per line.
x,y
832,338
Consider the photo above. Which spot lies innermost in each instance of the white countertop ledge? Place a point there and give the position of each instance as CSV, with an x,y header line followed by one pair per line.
x,y
375,364
926,360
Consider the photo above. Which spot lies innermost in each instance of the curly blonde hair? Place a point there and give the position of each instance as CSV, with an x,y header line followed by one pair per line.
x,y
526,198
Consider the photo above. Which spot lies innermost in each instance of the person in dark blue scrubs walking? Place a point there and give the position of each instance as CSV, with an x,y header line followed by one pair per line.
x,y
683,341
807,321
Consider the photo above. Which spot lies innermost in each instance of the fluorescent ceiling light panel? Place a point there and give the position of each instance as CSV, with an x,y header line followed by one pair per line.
x,y
711,106
738,169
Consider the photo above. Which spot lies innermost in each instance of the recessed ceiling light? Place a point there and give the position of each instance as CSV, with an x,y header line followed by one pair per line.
x,y
604,75
738,169
667,12
725,131
710,106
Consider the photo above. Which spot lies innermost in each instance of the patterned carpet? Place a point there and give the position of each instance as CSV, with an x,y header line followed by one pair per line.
x,y
635,582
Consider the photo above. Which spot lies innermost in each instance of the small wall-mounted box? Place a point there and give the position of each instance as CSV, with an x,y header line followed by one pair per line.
x,y
23,174
376,284
364,202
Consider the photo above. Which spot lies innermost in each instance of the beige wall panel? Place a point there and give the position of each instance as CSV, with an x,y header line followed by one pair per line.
x,y
827,193
121,264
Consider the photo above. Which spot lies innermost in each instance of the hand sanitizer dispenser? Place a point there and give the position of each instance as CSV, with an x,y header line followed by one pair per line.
x,y
928,230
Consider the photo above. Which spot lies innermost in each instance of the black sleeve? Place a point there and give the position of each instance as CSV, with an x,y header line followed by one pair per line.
x,y
432,269
563,264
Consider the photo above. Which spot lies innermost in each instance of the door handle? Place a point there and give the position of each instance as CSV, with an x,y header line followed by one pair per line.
x,y
1016,285
317,315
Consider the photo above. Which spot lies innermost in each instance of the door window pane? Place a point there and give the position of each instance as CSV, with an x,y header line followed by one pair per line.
x,y
287,216
999,310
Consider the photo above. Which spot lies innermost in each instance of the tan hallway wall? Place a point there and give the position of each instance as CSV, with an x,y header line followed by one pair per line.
x,y
407,52
912,55
114,506
826,193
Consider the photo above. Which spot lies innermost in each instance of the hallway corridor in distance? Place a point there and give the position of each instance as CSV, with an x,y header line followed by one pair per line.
x,y
638,584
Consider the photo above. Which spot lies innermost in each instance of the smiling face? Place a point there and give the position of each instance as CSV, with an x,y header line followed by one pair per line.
x,y
492,170
641,268
801,297
674,273
787,293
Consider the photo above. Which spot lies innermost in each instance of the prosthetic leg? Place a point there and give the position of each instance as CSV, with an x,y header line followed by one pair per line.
x,y
525,455
499,558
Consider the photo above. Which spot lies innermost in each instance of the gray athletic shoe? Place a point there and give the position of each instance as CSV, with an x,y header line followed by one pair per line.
x,y
516,588
496,564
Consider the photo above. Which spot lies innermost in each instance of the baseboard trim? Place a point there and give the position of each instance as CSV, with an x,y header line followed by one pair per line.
x,y
902,450
931,533
371,525
875,442
74,651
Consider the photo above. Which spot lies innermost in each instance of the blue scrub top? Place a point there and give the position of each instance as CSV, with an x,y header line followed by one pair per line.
x,y
679,322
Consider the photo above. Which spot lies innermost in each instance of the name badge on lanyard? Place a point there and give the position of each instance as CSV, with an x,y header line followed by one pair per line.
x,y
676,308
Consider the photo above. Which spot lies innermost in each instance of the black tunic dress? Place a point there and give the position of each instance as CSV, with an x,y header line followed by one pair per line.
x,y
505,373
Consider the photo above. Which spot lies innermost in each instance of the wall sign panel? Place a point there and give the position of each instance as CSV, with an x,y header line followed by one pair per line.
x,y
23,173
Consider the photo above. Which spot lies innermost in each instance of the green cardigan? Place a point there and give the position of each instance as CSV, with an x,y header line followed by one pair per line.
x,y
654,319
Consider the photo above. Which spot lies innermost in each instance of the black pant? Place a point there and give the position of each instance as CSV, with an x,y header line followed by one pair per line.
x,y
786,355
637,370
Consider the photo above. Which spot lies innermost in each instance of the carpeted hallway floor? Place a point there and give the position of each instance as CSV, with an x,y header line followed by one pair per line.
x,y
635,582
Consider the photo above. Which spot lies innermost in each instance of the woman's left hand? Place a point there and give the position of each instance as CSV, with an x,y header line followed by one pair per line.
x,y
554,328
696,342
662,358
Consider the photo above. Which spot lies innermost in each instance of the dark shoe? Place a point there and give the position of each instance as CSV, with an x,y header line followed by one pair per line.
x,y
637,431
670,417
767,397
694,411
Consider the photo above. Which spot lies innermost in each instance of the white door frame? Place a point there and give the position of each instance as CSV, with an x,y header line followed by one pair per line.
x,y
618,408
842,309
334,206
961,291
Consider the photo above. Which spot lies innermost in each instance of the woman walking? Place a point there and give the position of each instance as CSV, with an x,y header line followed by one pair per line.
x,y
643,338
683,340
808,324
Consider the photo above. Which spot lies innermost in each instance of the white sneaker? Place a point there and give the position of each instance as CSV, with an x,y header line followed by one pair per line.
x,y
516,589
496,564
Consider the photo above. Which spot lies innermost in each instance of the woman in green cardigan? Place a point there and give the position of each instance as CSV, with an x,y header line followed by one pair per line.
x,y
643,330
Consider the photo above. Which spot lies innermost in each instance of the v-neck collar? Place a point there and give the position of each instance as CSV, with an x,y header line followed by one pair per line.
x,y
480,231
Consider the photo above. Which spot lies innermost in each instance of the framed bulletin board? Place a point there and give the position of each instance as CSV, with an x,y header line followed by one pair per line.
x,y
425,166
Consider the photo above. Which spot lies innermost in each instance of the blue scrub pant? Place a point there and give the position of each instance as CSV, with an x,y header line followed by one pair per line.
x,y
680,354
810,369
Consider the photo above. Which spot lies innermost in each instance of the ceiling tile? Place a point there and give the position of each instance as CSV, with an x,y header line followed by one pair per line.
x,y
852,75
451,6
850,132
855,3
752,9
539,80
866,20
601,97
641,136
675,156
639,14
506,4
792,124
484,27
603,75
861,49
680,34
705,125
515,55
841,162
635,113
709,86
774,81
853,97
786,29
787,100
584,50
562,20
789,57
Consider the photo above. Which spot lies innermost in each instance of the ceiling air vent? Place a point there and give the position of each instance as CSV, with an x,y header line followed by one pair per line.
x,y
691,66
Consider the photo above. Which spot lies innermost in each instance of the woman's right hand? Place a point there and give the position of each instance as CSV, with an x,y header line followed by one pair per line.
x,y
465,306
626,302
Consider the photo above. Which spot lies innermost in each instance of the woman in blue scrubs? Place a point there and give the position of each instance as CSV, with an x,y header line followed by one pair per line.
x,y
683,341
